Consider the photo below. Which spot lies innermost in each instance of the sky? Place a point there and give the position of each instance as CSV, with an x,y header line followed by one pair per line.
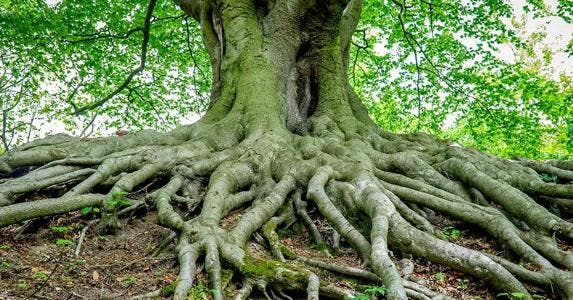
x,y
559,33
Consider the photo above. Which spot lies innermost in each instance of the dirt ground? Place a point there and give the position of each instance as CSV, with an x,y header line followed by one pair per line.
x,y
39,263
42,265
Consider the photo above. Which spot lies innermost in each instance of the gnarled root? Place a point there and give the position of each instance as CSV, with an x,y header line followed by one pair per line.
x,y
378,192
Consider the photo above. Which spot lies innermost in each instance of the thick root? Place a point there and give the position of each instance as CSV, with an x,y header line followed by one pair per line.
x,y
377,191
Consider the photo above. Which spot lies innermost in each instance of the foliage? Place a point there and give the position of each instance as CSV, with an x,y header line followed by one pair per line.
x,y
40,276
5,247
117,200
371,291
4,265
436,66
61,229
22,284
169,289
451,232
462,283
131,280
441,277
375,291
63,242
323,248
59,55
89,209
548,177
200,292
433,66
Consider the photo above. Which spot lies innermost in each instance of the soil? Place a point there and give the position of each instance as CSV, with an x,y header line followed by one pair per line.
x,y
42,264
39,263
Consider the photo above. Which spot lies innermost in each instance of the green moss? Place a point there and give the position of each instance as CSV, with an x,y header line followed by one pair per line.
x,y
268,269
226,276
260,268
269,227
287,252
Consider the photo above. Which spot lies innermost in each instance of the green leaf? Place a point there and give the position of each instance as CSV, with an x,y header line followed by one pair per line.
x,y
63,242
61,229
86,210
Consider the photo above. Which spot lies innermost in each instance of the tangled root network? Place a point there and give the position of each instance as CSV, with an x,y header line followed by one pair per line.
x,y
379,192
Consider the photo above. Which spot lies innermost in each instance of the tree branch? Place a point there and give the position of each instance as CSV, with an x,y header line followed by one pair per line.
x,y
408,37
136,71
191,7
99,35
86,37
436,70
349,22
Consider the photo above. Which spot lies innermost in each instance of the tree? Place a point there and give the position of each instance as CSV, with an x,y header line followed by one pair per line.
x,y
285,130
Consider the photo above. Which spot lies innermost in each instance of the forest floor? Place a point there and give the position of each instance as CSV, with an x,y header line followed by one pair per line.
x,y
40,263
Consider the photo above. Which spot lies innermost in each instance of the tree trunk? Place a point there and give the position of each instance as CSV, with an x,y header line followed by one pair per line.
x,y
284,131
277,64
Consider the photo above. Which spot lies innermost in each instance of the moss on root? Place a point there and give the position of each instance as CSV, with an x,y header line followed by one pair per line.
x,y
271,270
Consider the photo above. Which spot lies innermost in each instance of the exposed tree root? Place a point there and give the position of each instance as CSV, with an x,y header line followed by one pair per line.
x,y
376,190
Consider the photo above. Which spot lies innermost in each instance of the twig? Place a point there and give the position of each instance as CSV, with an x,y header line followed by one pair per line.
x,y
144,45
48,278
164,244
82,236
90,223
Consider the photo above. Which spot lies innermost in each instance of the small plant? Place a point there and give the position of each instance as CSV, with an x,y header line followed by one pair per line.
x,y
548,177
61,229
88,209
68,280
371,291
6,247
322,248
169,289
22,284
513,296
451,232
462,283
117,200
40,276
200,292
131,280
376,291
4,265
63,242
441,277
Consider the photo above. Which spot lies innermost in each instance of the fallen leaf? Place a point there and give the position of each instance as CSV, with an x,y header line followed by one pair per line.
x,y
95,276
168,278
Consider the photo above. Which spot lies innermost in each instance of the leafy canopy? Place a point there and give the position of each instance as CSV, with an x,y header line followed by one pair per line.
x,y
429,65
